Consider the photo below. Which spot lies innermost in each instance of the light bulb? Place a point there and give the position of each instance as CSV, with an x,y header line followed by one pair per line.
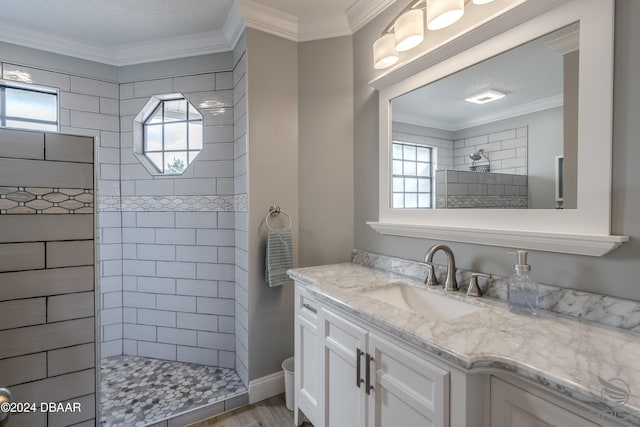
x,y
442,13
384,52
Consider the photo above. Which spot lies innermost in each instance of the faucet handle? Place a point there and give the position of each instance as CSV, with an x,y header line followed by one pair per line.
x,y
431,279
474,289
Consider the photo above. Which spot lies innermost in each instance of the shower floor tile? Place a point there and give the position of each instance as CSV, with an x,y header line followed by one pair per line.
x,y
136,391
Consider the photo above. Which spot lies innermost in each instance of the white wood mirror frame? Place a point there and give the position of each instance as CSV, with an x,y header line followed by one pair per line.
x,y
585,230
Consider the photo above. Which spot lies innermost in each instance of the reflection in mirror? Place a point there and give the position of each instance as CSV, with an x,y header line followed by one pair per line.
x,y
491,135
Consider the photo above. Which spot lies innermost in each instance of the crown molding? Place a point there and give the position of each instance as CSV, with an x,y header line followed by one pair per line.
x,y
363,11
234,25
128,54
269,20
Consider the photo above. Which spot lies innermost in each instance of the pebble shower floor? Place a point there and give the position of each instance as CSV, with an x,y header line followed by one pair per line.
x,y
137,391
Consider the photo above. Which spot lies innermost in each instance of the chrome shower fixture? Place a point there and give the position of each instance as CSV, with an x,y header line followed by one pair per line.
x,y
478,155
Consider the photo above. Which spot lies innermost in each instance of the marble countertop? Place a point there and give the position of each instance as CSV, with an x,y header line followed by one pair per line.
x,y
561,353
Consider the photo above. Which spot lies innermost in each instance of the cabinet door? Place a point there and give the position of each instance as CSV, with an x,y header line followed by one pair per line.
x,y
512,406
408,390
308,351
345,398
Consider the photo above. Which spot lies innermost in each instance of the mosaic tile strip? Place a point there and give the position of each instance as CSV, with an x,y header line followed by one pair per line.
x,y
603,309
45,200
137,391
174,203
488,202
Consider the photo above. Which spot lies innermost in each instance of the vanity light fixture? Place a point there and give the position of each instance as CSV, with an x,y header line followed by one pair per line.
x,y
484,97
442,13
406,31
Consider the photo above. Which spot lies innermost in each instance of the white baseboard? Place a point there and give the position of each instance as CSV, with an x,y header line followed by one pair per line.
x,y
265,387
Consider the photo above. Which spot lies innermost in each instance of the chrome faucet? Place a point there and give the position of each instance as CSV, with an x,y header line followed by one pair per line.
x,y
450,283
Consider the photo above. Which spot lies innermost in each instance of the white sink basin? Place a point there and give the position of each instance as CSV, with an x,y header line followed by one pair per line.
x,y
427,304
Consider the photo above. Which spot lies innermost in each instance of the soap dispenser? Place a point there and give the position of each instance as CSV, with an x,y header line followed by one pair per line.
x,y
522,291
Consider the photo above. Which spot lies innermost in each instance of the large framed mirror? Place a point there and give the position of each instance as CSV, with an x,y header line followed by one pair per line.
x,y
480,147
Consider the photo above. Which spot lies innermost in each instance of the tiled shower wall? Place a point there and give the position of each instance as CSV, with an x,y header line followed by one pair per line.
x,y
241,221
168,291
178,233
90,107
47,276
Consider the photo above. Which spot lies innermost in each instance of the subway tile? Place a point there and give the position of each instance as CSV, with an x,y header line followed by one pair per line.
x,y
33,339
177,336
226,324
197,83
178,236
504,179
130,315
139,235
217,116
132,107
216,340
201,288
216,99
110,156
195,186
224,186
110,284
501,136
111,299
157,285
94,87
71,306
521,132
126,123
130,347
81,119
134,172
36,76
108,188
157,187
38,173
126,90
182,270
109,139
196,219
63,387
70,253
201,356
109,106
215,237
177,303
148,88
21,256
112,332
138,300
111,268
215,271
511,190
197,253
70,359
226,220
78,131
217,151
22,369
111,316
77,101
69,148
28,284
155,219
226,289
199,322
227,359
156,252
110,252
215,134
139,332
514,163
138,267
157,350
128,219
111,172
25,312
110,348
519,180
223,307
21,144
213,169
156,318
224,80
468,177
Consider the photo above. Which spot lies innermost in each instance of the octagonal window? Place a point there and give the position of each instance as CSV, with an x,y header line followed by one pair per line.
x,y
168,134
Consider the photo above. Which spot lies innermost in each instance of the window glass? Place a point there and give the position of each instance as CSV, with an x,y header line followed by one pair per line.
x,y
412,173
28,108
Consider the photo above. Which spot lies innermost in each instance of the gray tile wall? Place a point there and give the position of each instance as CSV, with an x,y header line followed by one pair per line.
x,y
241,322
507,151
91,107
444,147
178,233
468,189
47,278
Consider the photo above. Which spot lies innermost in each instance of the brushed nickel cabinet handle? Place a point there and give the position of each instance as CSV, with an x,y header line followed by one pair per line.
x,y
359,354
368,386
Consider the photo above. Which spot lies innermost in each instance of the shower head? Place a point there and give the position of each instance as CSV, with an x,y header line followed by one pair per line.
x,y
477,155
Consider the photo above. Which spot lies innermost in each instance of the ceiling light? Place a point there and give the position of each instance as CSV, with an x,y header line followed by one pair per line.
x,y
409,30
442,13
384,52
484,97
482,1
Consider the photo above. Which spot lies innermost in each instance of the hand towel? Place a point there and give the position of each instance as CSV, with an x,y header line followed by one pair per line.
x,y
278,257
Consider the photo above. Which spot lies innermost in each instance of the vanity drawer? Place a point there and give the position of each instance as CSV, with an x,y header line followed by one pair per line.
x,y
307,307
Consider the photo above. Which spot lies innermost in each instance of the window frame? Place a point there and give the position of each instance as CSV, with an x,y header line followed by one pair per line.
x,y
431,177
27,87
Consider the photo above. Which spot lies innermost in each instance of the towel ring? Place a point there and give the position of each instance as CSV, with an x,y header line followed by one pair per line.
x,y
273,211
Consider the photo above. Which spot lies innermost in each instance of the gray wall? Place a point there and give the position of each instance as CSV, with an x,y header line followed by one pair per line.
x,y
615,274
272,138
325,151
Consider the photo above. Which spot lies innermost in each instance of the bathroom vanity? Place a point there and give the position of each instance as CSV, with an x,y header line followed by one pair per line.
x,y
367,356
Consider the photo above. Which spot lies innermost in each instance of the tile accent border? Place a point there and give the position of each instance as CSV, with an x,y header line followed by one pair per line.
x,y
486,202
173,203
45,200
602,309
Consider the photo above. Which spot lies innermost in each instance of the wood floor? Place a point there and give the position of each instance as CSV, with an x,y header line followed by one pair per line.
x,y
269,413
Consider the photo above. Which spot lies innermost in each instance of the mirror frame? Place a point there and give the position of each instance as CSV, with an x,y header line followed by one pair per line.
x,y
585,230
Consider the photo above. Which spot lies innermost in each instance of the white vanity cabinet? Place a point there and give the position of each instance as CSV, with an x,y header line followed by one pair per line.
x,y
364,378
